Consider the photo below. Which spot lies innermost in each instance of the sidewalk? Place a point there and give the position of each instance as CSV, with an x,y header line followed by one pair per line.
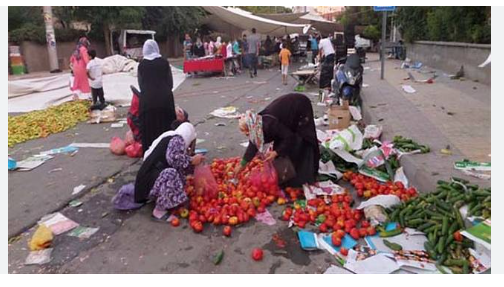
x,y
447,112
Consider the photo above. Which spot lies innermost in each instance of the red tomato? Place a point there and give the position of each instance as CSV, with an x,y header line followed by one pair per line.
x,y
257,254
175,222
340,233
323,228
344,251
354,232
371,231
457,236
365,223
197,226
227,230
362,232
336,241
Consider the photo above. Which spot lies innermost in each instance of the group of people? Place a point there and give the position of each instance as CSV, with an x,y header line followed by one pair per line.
x,y
87,73
168,138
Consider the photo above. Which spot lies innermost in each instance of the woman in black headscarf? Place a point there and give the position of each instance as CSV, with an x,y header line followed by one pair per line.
x,y
157,106
288,123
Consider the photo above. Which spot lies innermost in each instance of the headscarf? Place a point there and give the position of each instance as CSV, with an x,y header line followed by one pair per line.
x,y
218,43
253,122
150,50
198,42
185,130
83,42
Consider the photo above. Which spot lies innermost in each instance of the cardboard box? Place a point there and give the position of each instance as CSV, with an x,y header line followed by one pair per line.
x,y
339,117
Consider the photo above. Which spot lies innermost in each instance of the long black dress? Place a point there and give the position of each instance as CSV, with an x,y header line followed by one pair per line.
x,y
157,106
288,122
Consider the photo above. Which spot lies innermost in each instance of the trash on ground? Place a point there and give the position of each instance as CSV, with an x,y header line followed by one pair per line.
x,y
446,151
265,218
39,257
415,259
348,139
308,240
58,223
376,264
244,144
376,214
408,145
32,162
333,269
372,132
200,141
408,89
12,164
91,145
201,151
406,242
386,201
55,170
117,125
355,112
480,233
67,149
106,115
220,124
83,232
226,112
365,85
472,165
41,239
78,189
487,61
477,175
329,169
322,188
218,257
400,176
75,203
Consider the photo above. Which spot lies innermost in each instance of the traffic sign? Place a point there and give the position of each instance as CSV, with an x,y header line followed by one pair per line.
x,y
383,8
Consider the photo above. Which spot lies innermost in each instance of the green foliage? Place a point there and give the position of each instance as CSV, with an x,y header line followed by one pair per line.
x,y
266,9
440,23
117,16
371,32
360,15
172,20
19,16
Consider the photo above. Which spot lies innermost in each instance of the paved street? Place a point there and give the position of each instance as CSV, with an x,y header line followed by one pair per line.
x,y
130,242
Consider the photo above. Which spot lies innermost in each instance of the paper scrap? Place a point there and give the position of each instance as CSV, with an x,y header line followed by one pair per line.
x,y
78,189
409,242
265,218
39,257
83,232
377,264
329,169
58,223
75,203
416,259
385,200
32,162
67,149
226,112
401,176
221,124
355,112
365,85
244,144
91,145
200,141
117,125
408,89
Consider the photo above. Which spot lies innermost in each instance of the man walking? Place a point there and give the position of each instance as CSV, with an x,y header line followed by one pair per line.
x,y
254,43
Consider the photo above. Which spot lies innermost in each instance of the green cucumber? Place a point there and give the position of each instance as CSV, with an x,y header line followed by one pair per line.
x,y
444,228
391,245
391,233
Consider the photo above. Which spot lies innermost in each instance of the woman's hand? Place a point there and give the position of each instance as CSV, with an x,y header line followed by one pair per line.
x,y
197,159
271,155
239,168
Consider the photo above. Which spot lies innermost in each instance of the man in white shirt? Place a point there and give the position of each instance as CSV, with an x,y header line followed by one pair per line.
x,y
94,71
326,54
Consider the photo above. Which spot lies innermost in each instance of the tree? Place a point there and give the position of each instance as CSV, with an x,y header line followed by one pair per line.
x,y
172,20
20,16
106,18
371,32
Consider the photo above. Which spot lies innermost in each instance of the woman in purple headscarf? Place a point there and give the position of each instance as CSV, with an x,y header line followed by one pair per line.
x,y
78,62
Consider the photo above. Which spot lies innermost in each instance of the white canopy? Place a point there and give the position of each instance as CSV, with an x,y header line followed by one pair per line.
x,y
246,21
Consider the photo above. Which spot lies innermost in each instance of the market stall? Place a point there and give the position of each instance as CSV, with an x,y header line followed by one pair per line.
x,y
205,64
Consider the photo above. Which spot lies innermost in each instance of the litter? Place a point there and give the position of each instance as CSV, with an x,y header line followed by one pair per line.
x,y
104,116
75,203
32,162
58,223
200,141
414,242
487,61
472,165
226,112
321,136
78,189
477,175
326,242
55,170
348,139
375,214
481,262
355,112
259,83
416,259
266,218
329,169
401,177
12,164
39,257
372,132
91,145
244,144
322,188
365,85
220,124
377,264
308,240
408,89
83,232
117,125
480,233
201,151
385,200
41,239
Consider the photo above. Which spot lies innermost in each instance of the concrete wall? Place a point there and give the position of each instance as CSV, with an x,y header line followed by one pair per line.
x,y
36,59
449,56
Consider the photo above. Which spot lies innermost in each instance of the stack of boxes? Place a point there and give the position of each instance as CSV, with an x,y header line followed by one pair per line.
x,y
16,61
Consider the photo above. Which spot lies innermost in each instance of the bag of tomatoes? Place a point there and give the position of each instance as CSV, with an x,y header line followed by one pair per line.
x,y
265,177
204,182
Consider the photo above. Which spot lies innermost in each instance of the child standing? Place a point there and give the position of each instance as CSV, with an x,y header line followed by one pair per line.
x,y
94,72
285,56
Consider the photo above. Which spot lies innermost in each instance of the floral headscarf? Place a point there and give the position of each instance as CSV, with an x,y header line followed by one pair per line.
x,y
83,42
254,124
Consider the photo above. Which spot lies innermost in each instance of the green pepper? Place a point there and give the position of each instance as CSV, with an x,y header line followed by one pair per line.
x,y
391,245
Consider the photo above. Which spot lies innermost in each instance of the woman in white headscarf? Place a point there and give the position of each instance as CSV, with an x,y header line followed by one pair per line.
x,y
166,164
157,106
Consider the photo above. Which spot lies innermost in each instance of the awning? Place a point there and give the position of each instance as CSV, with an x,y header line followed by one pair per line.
x,y
246,21
319,23
147,32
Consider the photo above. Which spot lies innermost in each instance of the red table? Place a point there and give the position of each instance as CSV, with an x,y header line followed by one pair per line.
x,y
204,65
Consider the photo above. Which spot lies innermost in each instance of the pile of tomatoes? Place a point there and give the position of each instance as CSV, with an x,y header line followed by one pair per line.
x,y
334,214
368,187
256,189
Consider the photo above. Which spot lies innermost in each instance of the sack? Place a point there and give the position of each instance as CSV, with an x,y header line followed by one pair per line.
x,y
204,182
117,146
134,150
284,169
266,176
42,238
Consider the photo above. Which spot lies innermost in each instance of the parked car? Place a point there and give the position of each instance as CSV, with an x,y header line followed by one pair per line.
x,y
129,43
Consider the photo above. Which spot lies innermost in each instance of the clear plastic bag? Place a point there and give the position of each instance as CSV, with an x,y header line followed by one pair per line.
x,y
204,182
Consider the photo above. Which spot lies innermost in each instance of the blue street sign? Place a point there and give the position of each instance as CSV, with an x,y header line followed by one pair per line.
x,y
383,8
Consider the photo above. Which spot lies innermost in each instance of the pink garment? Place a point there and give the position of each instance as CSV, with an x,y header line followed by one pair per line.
x,y
81,81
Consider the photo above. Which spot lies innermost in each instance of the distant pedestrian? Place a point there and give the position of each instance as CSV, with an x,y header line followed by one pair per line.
x,y
94,72
78,63
285,59
326,54
187,47
198,49
314,48
254,44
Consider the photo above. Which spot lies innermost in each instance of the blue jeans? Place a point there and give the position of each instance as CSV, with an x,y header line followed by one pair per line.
x,y
252,63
